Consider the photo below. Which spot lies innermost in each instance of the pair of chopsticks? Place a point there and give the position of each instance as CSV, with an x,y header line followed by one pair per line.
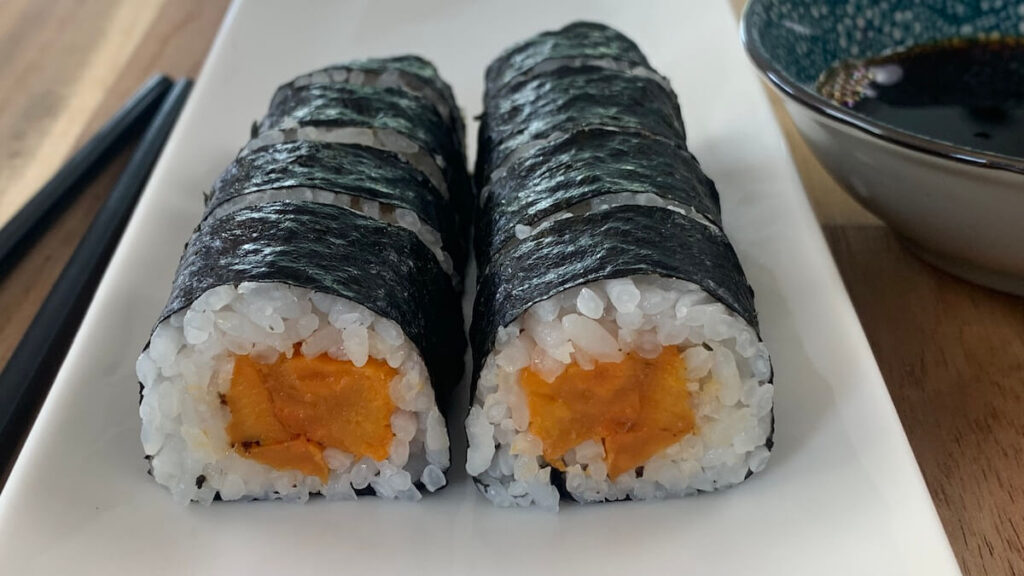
x,y
25,380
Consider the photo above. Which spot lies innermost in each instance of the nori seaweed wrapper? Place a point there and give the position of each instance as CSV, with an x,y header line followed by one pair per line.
x,y
343,168
584,165
335,251
618,242
577,40
352,105
422,76
568,99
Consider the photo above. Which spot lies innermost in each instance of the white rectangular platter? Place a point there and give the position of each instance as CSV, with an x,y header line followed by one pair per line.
x,y
841,495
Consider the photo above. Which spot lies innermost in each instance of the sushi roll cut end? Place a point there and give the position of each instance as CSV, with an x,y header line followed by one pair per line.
x,y
273,391
639,387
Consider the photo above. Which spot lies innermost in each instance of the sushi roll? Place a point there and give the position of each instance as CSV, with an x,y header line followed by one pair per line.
x,y
529,111
371,181
409,72
390,119
313,334
616,349
575,44
304,349
587,170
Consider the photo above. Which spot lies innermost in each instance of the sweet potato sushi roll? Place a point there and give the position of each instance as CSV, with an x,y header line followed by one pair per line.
x,y
617,356
408,72
390,119
615,341
368,180
586,170
579,43
305,349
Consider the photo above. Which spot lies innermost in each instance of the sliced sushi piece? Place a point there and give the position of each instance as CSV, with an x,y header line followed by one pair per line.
x,y
368,180
586,171
389,119
617,356
304,349
524,113
408,72
579,43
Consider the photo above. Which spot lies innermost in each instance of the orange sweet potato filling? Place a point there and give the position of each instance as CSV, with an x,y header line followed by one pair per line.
x,y
299,454
284,414
636,407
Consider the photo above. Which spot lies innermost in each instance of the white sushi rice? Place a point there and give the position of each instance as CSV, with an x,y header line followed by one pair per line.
x,y
391,78
380,138
727,369
189,362
607,201
386,213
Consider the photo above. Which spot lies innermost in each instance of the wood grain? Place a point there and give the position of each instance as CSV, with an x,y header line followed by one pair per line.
x,y
75,63
50,100
952,353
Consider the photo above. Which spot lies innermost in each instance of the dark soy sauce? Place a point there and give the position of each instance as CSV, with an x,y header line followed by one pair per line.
x,y
965,92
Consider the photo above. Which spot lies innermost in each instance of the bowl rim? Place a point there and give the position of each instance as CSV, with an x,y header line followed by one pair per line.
x,y
812,100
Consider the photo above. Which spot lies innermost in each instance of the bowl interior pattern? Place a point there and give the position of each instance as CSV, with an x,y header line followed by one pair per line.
x,y
802,38
794,41
958,206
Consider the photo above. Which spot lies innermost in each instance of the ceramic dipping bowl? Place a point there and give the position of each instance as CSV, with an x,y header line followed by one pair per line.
x,y
960,208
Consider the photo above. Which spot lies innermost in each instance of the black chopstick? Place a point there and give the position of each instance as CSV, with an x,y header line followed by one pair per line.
x,y
72,176
28,374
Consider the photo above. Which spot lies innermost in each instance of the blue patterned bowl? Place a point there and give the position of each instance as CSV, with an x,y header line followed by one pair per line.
x,y
959,208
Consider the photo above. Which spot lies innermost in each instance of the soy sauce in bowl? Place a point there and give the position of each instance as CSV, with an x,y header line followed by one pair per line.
x,y
966,92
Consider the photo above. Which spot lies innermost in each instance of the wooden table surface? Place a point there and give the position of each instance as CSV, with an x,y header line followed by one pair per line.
x,y
952,353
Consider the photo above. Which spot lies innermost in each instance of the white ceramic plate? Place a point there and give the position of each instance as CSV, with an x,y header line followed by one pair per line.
x,y
841,495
